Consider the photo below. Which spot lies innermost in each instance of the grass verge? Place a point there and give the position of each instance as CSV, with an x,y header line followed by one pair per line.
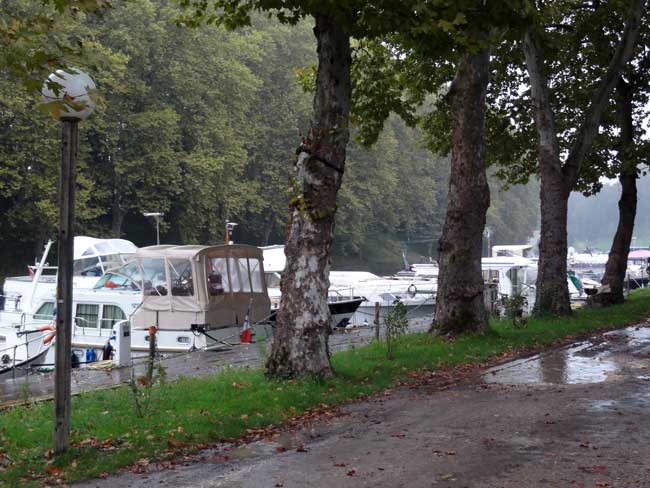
x,y
191,413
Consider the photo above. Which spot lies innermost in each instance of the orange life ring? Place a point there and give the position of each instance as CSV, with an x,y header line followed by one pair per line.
x,y
48,338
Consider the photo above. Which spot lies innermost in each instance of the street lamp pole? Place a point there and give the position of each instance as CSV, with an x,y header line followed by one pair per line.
x,y
487,232
156,216
69,92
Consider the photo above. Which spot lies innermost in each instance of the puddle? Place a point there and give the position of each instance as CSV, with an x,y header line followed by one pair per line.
x,y
603,405
592,361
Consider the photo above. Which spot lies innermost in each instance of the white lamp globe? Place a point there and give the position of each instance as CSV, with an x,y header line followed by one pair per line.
x,y
75,88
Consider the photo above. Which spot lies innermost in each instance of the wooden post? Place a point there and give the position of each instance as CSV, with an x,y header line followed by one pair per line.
x,y
377,309
152,354
69,147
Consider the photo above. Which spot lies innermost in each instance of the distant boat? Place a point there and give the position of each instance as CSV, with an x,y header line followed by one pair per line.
x,y
342,308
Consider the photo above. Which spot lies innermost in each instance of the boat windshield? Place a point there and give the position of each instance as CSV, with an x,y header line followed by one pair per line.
x,y
128,277
155,280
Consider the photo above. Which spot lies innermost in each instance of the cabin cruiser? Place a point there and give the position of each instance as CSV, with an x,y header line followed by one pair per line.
x,y
197,297
516,276
417,294
91,259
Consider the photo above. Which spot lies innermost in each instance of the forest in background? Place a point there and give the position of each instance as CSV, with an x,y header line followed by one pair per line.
x,y
593,220
202,125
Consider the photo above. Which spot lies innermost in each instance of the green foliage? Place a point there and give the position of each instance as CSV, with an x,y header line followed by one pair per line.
x,y
396,325
201,124
514,308
36,38
578,42
141,388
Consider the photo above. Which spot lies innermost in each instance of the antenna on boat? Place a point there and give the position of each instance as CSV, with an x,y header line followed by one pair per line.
x,y
230,226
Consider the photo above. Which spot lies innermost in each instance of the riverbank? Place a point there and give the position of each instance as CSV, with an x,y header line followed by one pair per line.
x,y
191,413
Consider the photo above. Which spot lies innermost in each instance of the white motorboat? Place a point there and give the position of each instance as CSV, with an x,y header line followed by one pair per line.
x,y
342,308
196,296
417,294
91,259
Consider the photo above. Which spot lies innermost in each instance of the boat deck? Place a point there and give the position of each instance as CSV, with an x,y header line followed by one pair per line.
x,y
36,387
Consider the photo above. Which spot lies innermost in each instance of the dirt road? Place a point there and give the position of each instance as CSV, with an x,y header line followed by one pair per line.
x,y
572,417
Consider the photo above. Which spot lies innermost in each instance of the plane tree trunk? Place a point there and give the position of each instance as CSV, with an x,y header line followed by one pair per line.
x,y
557,179
303,321
459,299
614,278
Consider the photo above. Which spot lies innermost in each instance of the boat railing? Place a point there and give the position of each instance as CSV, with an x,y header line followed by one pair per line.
x,y
9,355
83,326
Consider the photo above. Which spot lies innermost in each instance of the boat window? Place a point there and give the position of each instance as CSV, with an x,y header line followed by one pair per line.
x,y
123,246
111,261
273,280
103,248
490,275
87,315
514,280
180,275
218,277
111,314
233,270
243,274
116,282
256,275
155,281
87,267
45,311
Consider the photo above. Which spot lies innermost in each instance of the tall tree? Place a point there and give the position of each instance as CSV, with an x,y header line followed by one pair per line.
x,y
559,178
459,301
302,327
457,49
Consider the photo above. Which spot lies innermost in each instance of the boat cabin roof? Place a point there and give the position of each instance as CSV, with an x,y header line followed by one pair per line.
x,y
210,284
86,247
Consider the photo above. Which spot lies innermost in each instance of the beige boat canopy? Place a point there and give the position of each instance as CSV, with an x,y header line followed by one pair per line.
x,y
184,285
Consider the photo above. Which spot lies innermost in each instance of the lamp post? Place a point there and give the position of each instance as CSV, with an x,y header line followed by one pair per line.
x,y
68,91
230,226
156,216
487,232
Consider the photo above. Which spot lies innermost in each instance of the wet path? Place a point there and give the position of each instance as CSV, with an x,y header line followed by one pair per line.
x,y
612,356
572,417
198,363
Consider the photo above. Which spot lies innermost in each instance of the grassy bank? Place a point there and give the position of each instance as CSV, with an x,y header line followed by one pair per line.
x,y
107,433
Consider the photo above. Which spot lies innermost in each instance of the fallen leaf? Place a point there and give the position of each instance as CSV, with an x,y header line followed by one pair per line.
x,y
54,470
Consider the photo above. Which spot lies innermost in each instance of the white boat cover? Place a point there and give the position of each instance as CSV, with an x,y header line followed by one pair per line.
x,y
216,285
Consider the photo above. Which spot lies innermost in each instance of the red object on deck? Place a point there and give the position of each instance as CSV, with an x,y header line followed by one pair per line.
x,y
246,336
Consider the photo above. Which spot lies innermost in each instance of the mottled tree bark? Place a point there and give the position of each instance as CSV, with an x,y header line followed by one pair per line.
x,y
552,294
614,279
303,321
557,178
459,299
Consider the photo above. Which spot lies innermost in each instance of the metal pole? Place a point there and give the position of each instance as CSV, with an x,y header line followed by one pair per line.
x,y
69,147
158,230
